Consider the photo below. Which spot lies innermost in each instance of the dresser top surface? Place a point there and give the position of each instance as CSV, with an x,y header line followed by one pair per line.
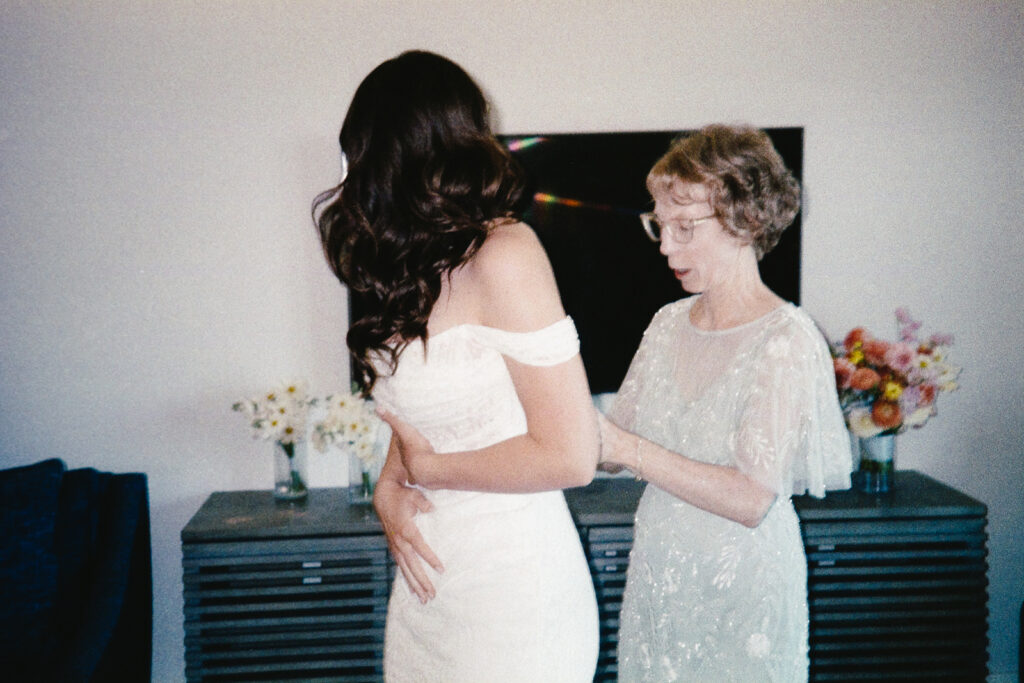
x,y
247,515
913,494
244,515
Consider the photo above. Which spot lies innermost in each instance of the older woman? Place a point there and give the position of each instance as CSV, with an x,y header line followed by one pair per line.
x,y
728,409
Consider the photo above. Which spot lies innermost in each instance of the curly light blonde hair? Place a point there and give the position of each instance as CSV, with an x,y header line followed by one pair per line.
x,y
751,191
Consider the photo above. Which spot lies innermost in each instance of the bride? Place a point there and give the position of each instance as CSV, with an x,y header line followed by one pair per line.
x,y
464,341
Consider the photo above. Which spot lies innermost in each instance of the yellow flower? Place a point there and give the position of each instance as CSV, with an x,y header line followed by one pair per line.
x,y
892,391
856,356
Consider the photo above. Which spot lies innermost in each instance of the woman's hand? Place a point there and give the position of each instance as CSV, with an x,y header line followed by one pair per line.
x,y
396,506
416,452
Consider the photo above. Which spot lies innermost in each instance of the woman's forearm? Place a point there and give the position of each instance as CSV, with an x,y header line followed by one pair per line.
x,y
721,490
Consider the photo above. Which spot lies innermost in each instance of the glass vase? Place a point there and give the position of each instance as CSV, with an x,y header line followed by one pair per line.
x,y
877,463
290,471
362,478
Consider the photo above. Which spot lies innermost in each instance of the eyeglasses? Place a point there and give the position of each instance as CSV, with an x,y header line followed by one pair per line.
x,y
681,229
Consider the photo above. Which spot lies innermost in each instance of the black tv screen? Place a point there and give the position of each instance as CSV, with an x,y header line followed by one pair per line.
x,y
585,192
584,195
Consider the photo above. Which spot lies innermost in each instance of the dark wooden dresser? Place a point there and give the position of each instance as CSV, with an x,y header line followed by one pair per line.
x,y
278,592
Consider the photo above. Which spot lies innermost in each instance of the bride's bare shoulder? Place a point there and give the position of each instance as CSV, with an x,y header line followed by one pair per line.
x,y
510,270
511,250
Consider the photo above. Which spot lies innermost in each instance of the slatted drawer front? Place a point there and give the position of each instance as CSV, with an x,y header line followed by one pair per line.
x,y
897,599
896,583
288,610
608,552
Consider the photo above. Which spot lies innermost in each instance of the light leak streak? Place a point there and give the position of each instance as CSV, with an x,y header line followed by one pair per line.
x,y
523,143
549,199
520,144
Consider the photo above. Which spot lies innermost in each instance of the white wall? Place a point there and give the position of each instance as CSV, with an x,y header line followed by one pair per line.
x,y
157,162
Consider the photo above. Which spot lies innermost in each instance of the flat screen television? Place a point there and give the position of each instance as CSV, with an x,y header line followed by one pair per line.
x,y
584,195
585,192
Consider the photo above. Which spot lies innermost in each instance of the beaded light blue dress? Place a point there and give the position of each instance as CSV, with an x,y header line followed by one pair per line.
x,y
706,598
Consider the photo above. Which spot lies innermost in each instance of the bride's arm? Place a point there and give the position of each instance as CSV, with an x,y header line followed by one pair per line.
x,y
515,290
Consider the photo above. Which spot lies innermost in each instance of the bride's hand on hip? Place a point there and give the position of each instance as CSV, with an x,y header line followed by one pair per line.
x,y
396,506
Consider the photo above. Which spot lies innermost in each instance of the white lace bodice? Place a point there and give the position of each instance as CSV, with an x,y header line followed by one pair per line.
x,y
515,602
456,389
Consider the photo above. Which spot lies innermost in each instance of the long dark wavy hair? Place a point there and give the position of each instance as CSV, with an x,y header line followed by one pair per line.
x,y
426,179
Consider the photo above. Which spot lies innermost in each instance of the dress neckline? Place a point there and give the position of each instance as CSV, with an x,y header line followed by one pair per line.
x,y
498,330
735,328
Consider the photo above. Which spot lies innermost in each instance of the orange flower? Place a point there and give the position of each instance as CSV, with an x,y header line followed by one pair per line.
x,y
886,414
864,379
875,350
856,336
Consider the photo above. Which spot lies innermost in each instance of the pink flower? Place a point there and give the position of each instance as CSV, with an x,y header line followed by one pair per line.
x,y
908,326
941,340
910,399
900,356
844,371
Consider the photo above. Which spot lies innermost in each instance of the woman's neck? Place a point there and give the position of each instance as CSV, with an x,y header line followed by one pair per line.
x,y
735,300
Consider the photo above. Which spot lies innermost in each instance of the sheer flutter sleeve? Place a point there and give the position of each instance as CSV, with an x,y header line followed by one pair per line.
x,y
643,379
791,436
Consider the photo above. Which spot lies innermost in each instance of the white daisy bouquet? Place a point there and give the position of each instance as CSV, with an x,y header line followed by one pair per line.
x,y
349,422
278,415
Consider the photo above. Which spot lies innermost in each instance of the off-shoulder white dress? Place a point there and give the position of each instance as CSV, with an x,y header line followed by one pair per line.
x,y
708,599
516,601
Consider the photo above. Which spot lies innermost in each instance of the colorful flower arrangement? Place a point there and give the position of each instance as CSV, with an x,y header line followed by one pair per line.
x,y
278,415
886,387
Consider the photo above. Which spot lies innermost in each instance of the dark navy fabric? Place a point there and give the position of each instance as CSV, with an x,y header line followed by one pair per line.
x,y
28,562
99,623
